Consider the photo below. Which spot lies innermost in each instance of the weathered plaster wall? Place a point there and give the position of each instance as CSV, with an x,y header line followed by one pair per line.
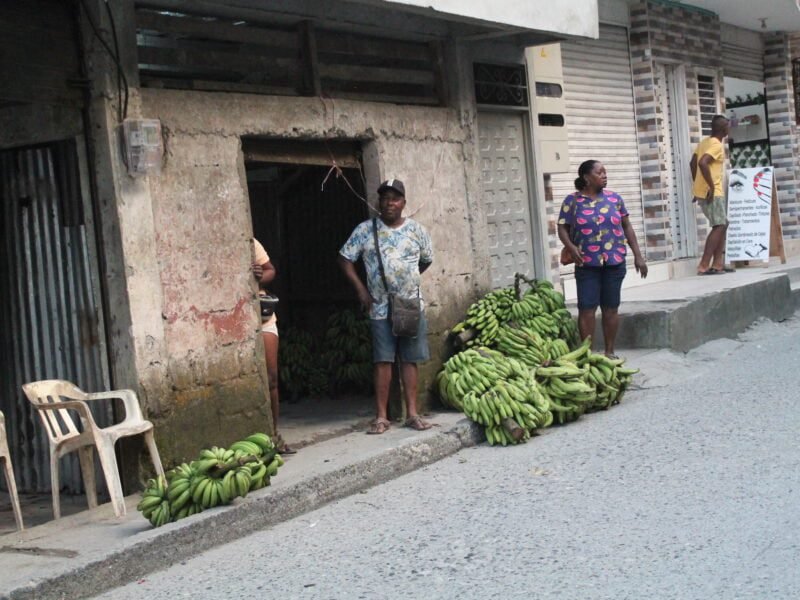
x,y
202,221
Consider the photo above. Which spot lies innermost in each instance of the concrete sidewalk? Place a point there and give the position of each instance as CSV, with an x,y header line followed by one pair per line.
x,y
682,313
90,552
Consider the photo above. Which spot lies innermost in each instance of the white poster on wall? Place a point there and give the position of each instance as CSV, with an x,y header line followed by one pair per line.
x,y
749,206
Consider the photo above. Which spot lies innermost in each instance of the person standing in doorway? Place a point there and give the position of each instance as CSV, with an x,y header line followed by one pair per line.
x,y
264,272
406,251
706,166
594,227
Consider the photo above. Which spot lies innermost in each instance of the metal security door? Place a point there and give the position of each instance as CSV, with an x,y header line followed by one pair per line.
x,y
504,183
51,323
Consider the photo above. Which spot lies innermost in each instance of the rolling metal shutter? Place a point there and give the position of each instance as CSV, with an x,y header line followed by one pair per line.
x,y
600,117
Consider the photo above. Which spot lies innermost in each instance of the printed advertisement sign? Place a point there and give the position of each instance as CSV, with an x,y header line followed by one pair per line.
x,y
749,206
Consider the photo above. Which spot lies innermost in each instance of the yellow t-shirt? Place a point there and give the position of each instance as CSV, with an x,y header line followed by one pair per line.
x,y
260,257
713,147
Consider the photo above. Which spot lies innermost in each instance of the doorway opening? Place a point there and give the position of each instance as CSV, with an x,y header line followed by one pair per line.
x,y
302,212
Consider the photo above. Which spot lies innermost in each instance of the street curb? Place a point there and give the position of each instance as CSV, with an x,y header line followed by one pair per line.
x,y
188,538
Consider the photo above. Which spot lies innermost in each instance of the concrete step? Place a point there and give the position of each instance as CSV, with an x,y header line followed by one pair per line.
x,y
682,314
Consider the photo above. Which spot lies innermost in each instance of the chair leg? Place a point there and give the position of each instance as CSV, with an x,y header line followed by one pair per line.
x,y
108,461
150,440
55,485
11,484
86,457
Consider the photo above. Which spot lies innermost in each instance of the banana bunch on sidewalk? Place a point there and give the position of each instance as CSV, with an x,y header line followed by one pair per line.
x,y
524,366
497,391
217,477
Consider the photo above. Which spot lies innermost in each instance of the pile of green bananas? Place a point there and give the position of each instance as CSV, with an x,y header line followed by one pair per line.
x,y
566,387
486,315
524,366
609,378
299,369
217,477
347,353
497,391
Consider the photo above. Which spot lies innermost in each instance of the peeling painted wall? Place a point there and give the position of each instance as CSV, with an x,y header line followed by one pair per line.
x,y
202,222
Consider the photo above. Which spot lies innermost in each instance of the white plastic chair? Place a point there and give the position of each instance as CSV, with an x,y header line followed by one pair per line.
x,y
54,399
11,483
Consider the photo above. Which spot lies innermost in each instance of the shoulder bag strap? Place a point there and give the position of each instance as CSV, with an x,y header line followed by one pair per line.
x,y
378,252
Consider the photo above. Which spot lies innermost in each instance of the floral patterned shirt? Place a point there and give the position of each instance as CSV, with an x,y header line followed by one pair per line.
x,y
596,227
402,250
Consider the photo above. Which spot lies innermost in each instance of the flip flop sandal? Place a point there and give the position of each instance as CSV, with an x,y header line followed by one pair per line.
x,y
378,426
417,423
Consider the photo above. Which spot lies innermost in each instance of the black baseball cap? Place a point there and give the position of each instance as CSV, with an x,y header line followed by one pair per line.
x,y
393,184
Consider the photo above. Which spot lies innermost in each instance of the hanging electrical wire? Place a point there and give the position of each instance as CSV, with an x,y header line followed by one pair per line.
x,y
122,81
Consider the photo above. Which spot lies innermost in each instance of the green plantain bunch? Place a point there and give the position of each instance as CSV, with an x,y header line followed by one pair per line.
x,y
522,365
217,477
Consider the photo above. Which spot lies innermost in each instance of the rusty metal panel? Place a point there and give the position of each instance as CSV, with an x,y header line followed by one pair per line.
x,y
50,319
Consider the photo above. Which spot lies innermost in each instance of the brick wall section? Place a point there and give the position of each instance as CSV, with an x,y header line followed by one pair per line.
x,y
783,129
666,33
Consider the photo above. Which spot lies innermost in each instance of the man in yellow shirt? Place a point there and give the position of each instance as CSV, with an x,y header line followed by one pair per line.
x,y
706,167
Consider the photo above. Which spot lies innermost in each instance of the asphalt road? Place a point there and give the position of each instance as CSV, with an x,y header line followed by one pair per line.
x,y
690,490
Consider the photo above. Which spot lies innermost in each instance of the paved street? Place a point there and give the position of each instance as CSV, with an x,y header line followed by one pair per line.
x,y
690,490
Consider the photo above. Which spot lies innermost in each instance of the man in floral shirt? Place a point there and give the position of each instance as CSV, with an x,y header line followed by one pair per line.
x,y
406,251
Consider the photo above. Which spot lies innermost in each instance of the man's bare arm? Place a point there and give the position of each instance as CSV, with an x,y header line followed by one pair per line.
x,y
349,270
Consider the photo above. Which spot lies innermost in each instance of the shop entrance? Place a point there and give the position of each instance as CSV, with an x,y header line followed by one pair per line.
x,y
303,211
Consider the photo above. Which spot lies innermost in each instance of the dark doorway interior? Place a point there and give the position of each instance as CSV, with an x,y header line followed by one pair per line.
x,y
303,214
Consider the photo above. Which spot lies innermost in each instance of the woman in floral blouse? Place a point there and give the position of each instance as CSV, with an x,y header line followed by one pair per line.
x,y
596,232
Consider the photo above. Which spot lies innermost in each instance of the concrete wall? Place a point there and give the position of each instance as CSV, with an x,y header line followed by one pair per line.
x,y
202,224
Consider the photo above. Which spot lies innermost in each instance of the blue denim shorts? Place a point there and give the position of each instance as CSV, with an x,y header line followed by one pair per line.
x,y
385,345
599,286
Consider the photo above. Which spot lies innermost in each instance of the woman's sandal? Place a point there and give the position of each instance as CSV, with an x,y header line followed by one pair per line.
x,y
378,426
417,423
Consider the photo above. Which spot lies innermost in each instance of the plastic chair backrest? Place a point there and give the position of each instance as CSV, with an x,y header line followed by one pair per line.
x,y
48,394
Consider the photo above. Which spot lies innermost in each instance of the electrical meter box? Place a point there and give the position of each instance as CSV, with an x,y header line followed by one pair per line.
x,y
142,146
549,107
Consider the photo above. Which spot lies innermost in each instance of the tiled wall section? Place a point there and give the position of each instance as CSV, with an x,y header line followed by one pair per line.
x,y
783,129
666,33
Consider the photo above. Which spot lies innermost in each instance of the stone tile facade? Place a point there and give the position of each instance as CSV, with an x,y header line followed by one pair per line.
x,y
783,130
662,33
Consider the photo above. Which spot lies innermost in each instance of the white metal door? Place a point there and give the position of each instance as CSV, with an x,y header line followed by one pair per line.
x,y
670,92
601,118
504,183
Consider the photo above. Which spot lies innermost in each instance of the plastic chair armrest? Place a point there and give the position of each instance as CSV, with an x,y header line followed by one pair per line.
x,y
129,400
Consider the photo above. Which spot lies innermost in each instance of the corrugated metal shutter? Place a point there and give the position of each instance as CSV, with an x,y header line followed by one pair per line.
x,y
742,62
600,116
51,323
